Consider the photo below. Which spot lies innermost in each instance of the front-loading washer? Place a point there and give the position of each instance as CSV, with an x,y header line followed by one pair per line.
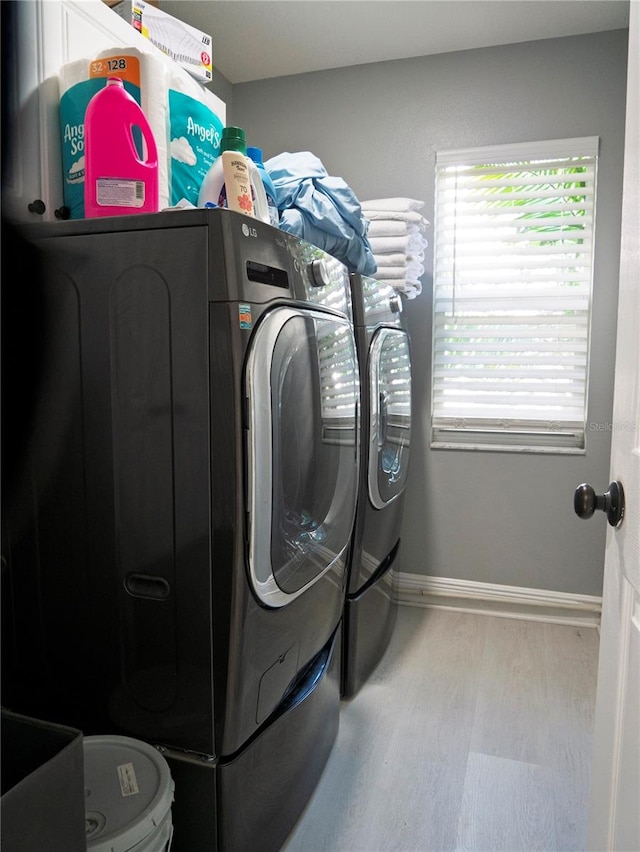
x,y
179,563
384,357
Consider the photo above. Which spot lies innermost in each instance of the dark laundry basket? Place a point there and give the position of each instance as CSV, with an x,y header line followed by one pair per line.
x,y
42,804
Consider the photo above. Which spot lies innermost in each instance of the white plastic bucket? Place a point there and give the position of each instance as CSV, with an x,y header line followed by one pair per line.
x,y
128,796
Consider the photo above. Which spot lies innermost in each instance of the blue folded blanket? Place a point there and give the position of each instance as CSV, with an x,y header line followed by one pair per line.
x,y
321,209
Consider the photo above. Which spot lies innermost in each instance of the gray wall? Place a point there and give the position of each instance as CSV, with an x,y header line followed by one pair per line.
x,y
482,516
221,87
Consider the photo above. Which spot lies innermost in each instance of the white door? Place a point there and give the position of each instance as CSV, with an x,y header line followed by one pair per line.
x,y
614,813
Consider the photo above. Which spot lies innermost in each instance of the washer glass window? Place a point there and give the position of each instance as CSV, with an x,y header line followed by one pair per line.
x,y
303,404
390,421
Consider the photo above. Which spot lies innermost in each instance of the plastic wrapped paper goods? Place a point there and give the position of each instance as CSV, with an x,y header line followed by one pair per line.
x,y
186,120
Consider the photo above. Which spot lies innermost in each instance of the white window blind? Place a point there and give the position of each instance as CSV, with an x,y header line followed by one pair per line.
x,y
514,229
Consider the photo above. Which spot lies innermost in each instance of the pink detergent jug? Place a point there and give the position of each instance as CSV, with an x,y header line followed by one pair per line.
x,y
117,180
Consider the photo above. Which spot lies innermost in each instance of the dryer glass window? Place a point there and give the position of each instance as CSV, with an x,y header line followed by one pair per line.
x,y
390,423
307,449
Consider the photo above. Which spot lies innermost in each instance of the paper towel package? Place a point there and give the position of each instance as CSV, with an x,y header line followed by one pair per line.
x,y
186,120
189,47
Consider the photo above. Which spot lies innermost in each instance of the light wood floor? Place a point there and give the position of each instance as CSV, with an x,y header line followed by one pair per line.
x,y
474,733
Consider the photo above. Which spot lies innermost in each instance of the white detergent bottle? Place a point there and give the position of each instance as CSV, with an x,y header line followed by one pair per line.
x,y
255,154
228,183
260,203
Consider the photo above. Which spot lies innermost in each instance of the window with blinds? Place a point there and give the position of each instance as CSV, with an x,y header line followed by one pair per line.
x,y
513,267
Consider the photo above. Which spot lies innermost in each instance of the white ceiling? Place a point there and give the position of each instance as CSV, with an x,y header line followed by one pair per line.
x,y
257,39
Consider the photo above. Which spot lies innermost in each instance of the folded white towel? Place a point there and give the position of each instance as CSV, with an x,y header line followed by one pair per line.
x,y
414,270
412,243
387,228
394,259
410,289
391,273
411,216
414,220
397,204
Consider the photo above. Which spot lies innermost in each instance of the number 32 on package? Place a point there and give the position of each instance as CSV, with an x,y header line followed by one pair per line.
x,y
124,66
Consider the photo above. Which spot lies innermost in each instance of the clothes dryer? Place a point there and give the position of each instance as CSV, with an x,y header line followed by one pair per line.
x,y
383,347
178,564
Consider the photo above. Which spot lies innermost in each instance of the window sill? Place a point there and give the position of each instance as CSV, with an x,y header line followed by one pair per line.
x,y
508,448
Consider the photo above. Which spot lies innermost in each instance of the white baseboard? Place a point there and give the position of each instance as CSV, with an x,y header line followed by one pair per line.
x,y
503,601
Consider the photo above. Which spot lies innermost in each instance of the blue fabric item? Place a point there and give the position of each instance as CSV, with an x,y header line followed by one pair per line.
x,y
321,209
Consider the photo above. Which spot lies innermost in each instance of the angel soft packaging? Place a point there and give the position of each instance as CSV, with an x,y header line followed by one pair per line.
x,y
186,120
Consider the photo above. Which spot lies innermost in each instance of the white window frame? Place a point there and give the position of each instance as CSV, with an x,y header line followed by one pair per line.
x,y
513,262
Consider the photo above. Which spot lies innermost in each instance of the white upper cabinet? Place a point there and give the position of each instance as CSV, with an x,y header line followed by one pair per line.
x,y
49,34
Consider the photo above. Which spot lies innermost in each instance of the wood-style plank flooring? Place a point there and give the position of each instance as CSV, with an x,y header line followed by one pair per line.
x,y
474,733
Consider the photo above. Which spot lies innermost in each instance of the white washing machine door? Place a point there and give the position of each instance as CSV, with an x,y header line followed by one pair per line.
x,y
302,450
390,415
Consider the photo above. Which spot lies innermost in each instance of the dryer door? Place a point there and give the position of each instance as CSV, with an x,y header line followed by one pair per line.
x,y
390,415
302,450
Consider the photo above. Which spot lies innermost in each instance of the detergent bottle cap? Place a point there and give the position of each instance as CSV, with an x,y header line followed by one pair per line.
x,y
233,139
255,154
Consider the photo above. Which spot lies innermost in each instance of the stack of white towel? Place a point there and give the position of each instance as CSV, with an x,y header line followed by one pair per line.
x,y
396,236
